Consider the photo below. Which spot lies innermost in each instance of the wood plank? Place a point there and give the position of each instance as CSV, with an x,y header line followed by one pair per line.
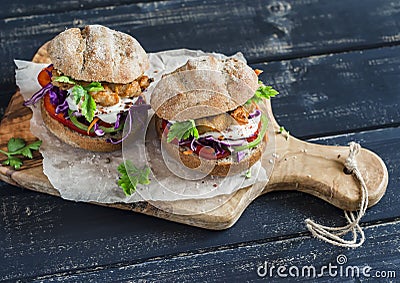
x,y
263,30
341,93
18,121
104,236
240,263
14,9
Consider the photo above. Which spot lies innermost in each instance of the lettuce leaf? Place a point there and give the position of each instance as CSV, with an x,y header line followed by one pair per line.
x,y
88,104
64,79
94,86
88,107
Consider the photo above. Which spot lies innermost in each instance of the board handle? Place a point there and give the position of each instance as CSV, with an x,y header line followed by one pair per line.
x,y
319,170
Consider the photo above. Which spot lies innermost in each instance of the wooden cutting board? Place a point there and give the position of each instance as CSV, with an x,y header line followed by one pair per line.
x,y
301,166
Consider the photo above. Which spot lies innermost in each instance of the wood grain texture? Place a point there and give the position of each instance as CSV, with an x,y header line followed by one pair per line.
x,y
105,236
16,120
262,29
319,170
226,264
15,9
334,94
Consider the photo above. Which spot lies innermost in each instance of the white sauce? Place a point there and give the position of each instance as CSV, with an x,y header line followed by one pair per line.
x,y
107,114
237,132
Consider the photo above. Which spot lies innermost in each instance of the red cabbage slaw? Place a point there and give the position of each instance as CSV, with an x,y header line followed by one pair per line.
x,y
219,146
139,105
57,98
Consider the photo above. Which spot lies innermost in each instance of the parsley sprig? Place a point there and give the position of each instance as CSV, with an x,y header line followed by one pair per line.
x,y
78,91
131,176
182,131
263,92
283,131
17,146
247,175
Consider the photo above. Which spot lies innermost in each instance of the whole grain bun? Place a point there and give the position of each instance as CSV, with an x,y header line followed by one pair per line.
x,y
76,139
222,167
203,87
98,53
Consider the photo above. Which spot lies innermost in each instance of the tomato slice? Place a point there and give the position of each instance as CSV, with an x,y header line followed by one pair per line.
x,y
164,127
44,77
106,125
254,137
165,131
51,109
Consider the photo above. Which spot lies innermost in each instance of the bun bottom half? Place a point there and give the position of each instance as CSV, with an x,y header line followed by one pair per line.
x,y
222,167
76,139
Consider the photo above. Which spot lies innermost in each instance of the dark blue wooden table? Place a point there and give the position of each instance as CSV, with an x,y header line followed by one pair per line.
x,y
337,67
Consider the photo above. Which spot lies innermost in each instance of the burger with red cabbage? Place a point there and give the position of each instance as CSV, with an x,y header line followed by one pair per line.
x,y
209,111
96,76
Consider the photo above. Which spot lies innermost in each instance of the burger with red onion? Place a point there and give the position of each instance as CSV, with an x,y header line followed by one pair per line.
x,y
209,114
96,76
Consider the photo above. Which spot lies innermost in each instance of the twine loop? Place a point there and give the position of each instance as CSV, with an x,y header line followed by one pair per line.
x,y
335,235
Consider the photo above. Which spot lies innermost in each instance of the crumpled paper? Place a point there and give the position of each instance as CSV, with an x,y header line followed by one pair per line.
x,y
82,175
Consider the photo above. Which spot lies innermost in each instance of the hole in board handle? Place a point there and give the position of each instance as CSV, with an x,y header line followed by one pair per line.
x,y
347,171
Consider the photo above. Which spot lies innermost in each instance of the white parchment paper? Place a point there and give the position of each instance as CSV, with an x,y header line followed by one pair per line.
x,y
82,175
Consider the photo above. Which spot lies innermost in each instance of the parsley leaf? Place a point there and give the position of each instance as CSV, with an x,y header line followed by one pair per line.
x,y
131,176
15,144
13,162
266,91
64,79
263,92
282,130
35,145
182,131
27,152
18,147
